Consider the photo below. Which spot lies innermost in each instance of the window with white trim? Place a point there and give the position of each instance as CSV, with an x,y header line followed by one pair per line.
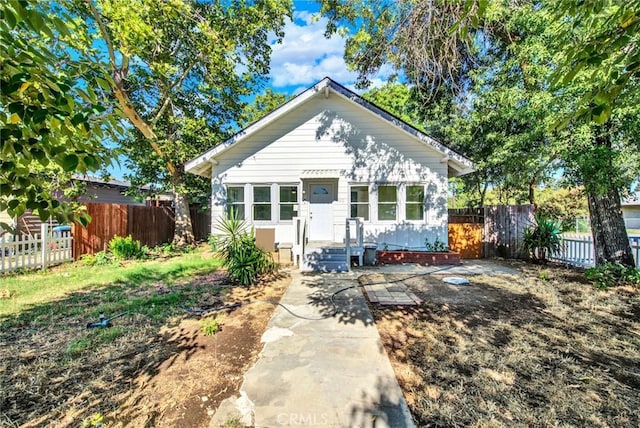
x,y
262,203
415,203
235,202
387,203
360,202
288,201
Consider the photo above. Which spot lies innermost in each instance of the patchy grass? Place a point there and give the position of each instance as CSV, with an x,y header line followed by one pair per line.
x,y
22,291
540,349
150,368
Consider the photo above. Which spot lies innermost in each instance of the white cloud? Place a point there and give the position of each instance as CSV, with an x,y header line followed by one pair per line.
x,y
305,56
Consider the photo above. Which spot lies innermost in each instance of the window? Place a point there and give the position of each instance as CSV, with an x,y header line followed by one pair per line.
x,y
360,201
288,200
262,203
415,203
235,202
387,207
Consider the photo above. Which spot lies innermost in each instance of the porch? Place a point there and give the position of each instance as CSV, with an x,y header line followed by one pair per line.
x,y
327,255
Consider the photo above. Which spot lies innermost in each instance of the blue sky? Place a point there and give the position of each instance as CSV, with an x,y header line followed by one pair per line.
x,y
304,57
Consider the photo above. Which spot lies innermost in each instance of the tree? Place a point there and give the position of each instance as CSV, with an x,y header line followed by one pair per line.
x,y
52,121
178,65
262,105
443,56
603,39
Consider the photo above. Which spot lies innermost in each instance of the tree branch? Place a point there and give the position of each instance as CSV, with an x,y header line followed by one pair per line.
x,y
104,33
119,75
170,87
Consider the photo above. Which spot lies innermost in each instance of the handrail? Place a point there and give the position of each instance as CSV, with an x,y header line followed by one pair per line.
x,y
359,236
300,239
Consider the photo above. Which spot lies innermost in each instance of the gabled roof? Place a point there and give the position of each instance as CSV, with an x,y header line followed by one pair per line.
x,y
201,165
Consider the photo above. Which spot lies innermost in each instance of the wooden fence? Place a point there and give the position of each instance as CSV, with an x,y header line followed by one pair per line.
x,y
493,231
47,248
503,229
150,225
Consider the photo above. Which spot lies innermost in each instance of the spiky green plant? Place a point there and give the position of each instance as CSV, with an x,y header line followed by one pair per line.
x,y
244,260
541,240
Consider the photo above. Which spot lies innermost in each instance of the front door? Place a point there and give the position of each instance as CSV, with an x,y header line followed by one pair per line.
x,y
321,195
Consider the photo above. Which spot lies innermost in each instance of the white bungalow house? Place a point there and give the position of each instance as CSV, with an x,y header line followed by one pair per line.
x,y
327,165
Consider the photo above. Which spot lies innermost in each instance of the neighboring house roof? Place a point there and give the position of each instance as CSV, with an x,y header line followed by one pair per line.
x,y
632,200
458,164
112,183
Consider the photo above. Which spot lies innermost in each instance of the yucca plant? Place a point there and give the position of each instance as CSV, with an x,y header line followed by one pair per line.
x,y
542,239
244,260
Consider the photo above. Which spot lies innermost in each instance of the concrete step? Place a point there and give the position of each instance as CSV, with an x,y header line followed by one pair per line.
x,y
324,266
327,259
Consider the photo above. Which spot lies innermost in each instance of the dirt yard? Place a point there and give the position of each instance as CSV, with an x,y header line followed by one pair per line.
x,y
143,372
543,348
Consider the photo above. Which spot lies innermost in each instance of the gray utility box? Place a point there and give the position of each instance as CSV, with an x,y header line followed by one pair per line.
x,y
369,258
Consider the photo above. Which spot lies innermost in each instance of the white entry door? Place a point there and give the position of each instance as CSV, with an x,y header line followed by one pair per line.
x,y
321,197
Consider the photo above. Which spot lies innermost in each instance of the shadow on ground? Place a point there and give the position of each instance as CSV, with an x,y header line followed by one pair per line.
x,y
506,351
56,371
339,296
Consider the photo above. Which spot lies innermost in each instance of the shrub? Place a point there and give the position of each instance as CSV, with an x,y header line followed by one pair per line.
x,y
541,239
244,260
98,259
214,242
613,274
210,326
103,258
436,247
126,248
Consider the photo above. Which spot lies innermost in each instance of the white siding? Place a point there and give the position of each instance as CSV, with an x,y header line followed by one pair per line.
x,y
631,214
336,134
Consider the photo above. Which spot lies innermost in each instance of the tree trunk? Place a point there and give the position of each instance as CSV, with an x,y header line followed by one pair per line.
x,y
183,234
607,226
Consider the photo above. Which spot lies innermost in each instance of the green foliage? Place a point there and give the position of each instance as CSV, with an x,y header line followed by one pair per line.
x,y
95,420
541,239
262,104
181,70
126,248
600,39
436,246
244,260
566,206
210,326
100,258
613,274
214,242
53,115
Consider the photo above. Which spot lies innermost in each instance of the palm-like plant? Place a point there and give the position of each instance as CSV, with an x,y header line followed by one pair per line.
x,y
244,260
541,239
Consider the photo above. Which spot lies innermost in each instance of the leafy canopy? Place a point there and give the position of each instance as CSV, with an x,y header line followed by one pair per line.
x,y
52,119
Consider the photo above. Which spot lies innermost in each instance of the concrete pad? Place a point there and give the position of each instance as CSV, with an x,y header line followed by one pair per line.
x,y
467,267
328,370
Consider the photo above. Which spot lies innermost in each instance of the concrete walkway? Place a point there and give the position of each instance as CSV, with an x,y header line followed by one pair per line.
x,y
329,372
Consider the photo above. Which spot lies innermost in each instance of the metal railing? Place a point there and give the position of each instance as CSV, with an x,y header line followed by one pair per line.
x,y
300,239
359,242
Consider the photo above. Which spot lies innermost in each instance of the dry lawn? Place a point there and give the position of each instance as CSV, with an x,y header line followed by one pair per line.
x,y
143,371
540,349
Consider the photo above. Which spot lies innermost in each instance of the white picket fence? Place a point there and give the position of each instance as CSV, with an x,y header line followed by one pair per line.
x,y
578,250
39,251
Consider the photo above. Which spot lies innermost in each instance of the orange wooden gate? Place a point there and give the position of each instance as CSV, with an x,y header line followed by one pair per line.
x,y
466,239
